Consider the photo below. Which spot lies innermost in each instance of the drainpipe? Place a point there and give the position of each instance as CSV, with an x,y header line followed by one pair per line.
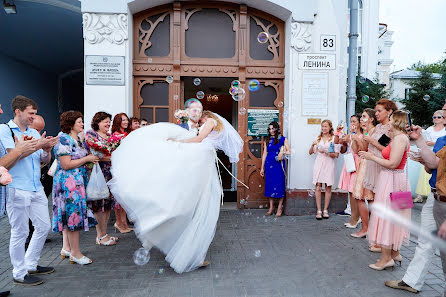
x,y
352,59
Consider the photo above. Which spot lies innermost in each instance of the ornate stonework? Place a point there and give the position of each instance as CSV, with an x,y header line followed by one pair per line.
x,y
99,27
300,36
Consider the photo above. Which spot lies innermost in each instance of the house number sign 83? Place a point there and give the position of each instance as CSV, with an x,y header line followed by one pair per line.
x,y
328,42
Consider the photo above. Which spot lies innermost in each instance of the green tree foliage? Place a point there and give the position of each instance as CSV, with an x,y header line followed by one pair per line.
x,y
417,103
439,93
374,90
439,67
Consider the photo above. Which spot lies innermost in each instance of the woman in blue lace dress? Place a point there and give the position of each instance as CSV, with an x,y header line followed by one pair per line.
x,y
273,167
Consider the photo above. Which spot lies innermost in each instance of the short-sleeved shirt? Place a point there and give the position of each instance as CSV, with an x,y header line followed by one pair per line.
x,y
439,144
3,190
441,172
26,173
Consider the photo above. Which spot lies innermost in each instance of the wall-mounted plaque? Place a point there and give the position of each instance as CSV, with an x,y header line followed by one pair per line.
x,y
315,94
105,70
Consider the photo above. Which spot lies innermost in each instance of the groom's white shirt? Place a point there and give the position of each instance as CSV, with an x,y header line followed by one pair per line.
x,y
194,130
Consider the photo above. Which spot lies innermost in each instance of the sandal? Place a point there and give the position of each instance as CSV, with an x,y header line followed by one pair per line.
x,y
81,261
111,241
64,254
270,212
279,214
325,215
319,215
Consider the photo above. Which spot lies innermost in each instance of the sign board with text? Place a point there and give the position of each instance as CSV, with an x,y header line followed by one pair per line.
x,y
259,119
317,61
105,70
315,94
328,42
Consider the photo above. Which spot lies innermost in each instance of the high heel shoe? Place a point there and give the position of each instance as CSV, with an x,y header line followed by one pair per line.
x,y
81,261
122,230
356,235
348,225
398,259
64,254
391,264
375,249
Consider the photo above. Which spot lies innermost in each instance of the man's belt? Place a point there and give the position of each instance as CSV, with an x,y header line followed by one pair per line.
x,y
437,196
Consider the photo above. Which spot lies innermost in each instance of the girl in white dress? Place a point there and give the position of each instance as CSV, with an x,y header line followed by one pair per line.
x,y
171,189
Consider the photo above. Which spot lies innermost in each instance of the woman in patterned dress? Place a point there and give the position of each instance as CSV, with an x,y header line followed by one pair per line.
x,y
97,142
274,169
120,129
70,212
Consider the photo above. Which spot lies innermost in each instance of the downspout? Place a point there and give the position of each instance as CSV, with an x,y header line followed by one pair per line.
x,y
352,58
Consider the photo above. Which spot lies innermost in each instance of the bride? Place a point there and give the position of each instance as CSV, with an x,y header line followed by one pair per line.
x,y
167,181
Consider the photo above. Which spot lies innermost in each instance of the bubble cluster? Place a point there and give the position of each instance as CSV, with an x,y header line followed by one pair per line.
x,y
141,256
200,95
197,81
169,79
262,37
253,85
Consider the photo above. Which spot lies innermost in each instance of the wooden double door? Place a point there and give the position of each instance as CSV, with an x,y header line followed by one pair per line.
x,y
216,43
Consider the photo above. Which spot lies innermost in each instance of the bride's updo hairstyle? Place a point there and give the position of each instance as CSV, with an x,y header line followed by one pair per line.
x,y
210,115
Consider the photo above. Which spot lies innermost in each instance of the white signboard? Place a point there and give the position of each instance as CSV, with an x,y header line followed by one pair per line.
x,y
328,42
315,94
105,70
317,61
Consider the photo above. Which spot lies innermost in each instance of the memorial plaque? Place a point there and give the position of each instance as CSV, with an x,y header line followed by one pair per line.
x,y
105,70
315,94
259,119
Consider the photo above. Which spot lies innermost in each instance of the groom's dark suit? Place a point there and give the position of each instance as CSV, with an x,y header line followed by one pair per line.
x,y
184,125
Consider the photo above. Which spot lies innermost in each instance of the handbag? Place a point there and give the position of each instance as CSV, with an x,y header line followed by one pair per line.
x,y
53,168
402,199
349,161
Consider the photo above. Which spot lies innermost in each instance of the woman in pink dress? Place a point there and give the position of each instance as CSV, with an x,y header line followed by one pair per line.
x,y
392,178
368,123
324,166
120,129
348,179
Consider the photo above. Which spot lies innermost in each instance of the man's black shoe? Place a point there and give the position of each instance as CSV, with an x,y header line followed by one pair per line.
x,y
42,270
342,214
29,280
4,294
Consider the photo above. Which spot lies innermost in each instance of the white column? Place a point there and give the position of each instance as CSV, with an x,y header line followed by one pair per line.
x,y
107,34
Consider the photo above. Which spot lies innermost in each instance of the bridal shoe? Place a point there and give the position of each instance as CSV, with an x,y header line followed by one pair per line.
x,y
81,261
64,254
391,264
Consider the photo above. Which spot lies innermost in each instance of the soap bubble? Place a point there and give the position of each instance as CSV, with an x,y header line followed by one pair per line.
x,y
257,253
242,202
253,85
362,79
197,81
235,84
311,193
240,95
175,97
141,256
262,37
426,97
280,104
200,95
242,111
365,98
161,271
233,91
169,79
260,206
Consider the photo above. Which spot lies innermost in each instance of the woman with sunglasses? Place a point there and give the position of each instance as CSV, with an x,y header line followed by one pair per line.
x,y
431,135
273,168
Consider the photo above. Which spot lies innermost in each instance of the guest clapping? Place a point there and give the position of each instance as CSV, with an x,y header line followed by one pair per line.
x,y
324,166
392,178
70,211
97,142
273,167
120,129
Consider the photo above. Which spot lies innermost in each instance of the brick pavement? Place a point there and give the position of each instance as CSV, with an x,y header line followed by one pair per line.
x,y
299,256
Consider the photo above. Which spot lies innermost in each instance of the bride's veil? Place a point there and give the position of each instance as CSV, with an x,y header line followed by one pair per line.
x,y
229,141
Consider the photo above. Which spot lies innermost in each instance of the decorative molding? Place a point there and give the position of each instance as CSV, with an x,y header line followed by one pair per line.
x,y
273,40
300,36
144,35
99,27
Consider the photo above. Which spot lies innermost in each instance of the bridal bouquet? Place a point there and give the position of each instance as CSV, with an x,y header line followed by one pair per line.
x,y
181,116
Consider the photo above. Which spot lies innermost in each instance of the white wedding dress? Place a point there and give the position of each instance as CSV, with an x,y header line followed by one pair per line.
x,y
171,190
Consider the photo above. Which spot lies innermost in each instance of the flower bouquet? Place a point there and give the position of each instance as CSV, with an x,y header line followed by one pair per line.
x,y
97,148
181,116
114,141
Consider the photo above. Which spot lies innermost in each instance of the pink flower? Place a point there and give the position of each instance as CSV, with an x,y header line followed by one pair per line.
x,y
5,177
74,219
70,184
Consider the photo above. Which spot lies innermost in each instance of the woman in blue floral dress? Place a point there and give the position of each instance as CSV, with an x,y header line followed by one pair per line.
x,y
70,211
273,169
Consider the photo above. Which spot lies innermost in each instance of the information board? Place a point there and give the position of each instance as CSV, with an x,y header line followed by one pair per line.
x,y
105,70
315,94
259,119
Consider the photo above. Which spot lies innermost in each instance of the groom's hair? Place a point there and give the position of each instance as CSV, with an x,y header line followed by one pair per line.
x,y
189,102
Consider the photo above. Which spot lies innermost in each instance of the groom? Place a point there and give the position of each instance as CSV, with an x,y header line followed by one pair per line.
x,y
194,109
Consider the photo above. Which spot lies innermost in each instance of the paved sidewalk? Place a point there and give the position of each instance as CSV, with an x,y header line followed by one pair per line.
x,y
251,256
